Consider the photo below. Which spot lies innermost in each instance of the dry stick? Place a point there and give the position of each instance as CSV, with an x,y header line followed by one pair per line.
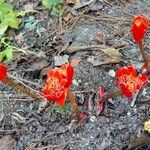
x,y
74,104
21,88
143,54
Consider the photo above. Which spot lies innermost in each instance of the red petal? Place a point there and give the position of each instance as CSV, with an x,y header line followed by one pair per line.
x,y
125,90
49,97
63,82
132,71
53,73
121,71
61,100
70,74
3,71
139,27
142,80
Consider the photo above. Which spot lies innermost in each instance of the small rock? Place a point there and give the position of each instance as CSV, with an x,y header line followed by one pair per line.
x,y
59,60
75,83
112,73
97,6
92,119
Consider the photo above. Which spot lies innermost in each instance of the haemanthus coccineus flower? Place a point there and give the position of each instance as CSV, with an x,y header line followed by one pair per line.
x,y
57,84
129,81
3,71
139,27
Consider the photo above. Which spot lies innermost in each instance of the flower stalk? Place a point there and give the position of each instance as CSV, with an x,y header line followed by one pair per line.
x,y
72,99
143,55
21,88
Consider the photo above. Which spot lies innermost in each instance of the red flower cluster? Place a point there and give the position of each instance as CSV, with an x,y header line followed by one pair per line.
x,y
57,84
3,71
128,80
139,27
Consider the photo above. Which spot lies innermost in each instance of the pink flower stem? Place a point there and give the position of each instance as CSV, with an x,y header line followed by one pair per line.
x,y
143,55
112,95
72,99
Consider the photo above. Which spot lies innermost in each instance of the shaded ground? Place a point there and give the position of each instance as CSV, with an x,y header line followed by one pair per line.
x,y
119,124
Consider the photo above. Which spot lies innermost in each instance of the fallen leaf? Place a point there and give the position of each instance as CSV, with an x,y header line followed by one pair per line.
x,y
6,142
143,139
110,51
82,3
100,101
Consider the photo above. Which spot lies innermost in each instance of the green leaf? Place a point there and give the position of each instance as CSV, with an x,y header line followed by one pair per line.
x,y
6,55
3,28
8,18
54,5
61,109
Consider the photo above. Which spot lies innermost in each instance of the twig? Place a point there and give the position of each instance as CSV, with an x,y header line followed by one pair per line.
x,y
56,146
22,88
143,55
110,51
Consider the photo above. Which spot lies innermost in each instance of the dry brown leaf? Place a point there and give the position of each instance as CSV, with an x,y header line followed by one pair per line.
x,y
6,142
75,62
110,51
143,139
82,3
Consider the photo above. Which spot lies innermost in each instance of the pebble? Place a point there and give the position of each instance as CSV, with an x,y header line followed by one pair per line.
x,y
92,119
59,60
75,83
112,73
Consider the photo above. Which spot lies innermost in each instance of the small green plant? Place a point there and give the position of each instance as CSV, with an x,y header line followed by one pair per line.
x,y
62,110
55,6
6,50
8,17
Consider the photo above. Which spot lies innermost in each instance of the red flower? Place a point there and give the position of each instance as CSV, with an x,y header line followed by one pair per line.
x,y
128,80
57,84
3,71
139,27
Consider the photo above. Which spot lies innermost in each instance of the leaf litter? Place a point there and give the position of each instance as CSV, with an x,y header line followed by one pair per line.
x,y
114,126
